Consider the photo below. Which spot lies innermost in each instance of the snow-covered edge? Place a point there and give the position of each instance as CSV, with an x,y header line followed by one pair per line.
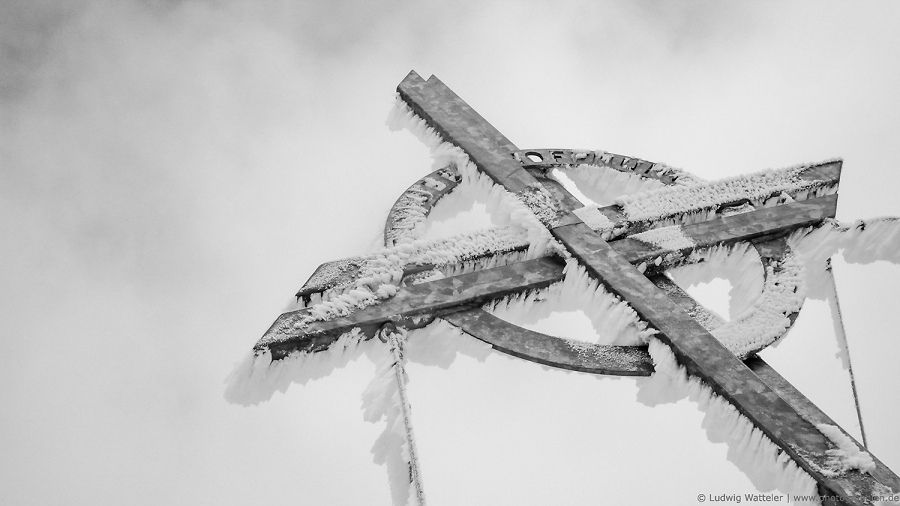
x,y
759,312
386,265
783,294
593,218
789,280
758,188
381,273
407,218
847,455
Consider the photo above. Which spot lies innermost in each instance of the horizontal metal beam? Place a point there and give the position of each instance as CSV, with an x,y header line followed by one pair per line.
x,y
414,305
765,222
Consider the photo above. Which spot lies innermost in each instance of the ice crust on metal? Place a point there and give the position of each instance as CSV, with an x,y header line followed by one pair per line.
x,y
628,246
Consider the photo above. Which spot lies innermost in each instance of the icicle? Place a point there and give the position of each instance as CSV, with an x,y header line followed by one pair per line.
x,y
862,242
410,215
764,463
501,201
614,321
256,378
783,294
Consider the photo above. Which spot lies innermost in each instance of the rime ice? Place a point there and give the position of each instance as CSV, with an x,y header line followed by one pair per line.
x,y
767,466
847,455
648,210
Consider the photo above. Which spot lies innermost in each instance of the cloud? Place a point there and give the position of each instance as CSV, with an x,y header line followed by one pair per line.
x,y
171,171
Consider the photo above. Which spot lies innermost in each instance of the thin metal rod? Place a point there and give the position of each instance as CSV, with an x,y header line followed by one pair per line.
x,y
396,338
842,338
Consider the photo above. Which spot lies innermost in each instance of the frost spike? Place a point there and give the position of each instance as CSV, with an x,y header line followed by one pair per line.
x,y
695,348
553,351
416,305
769,221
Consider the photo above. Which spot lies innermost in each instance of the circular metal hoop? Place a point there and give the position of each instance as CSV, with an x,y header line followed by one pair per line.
x,y
410,211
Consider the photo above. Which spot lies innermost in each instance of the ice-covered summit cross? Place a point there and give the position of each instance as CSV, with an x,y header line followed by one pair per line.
x,y
625,247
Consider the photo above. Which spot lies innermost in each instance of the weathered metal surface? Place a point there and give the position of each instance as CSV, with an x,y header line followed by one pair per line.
x,y
553,351
330,275
532,350
760,224
413,305
772,253
693,346
811,412
828,171
546,159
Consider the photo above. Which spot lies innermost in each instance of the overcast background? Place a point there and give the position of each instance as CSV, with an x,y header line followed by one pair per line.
x,y
171,172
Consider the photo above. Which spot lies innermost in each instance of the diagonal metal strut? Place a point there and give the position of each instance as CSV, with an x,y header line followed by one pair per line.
x,y
694,346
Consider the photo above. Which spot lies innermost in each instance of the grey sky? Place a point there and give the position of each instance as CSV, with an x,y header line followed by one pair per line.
x,y
170,172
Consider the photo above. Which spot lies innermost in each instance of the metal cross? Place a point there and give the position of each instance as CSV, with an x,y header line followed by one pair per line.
x,y
615,256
